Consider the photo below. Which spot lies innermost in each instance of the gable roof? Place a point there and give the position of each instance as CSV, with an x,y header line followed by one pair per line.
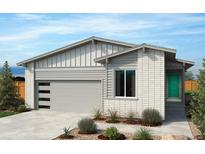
x,y
144,45
76,44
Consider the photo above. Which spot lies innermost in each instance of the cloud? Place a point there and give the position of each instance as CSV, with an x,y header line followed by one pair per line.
x,y
25,16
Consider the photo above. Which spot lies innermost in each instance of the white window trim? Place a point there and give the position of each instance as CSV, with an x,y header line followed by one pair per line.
x,y
114,90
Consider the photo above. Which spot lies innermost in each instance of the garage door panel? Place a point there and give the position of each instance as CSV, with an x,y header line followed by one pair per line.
x,y
76,96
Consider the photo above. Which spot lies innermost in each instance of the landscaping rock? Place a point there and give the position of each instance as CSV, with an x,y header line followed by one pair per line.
x,y
174,137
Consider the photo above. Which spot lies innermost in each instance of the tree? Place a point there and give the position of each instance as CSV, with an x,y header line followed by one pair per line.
x,y
189,75
198,103
8,91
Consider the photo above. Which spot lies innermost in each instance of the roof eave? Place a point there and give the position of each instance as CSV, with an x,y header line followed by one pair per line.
x,y
73,45
100,59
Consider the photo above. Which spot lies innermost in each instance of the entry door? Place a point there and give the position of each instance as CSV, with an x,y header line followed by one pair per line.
x,y
173,85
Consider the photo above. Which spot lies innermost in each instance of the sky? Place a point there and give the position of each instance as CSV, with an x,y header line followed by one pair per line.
x,y
23,36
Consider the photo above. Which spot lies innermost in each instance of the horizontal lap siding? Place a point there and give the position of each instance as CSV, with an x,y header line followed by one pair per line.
x,y
128,61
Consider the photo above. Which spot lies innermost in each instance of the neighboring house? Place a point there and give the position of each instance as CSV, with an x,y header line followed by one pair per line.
x,y
20,85
106,74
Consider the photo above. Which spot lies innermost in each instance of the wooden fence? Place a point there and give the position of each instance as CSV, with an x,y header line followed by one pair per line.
x,y
191,85
21,88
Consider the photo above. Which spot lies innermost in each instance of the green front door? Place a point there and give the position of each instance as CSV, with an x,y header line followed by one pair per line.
x,y
173,85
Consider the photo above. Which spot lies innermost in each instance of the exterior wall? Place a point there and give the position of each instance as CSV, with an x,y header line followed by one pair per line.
x,y
30,85
150,82
82,56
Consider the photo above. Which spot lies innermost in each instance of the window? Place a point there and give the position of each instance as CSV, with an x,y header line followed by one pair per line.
x,y
119,83
125,83
44,91
44,84
44,99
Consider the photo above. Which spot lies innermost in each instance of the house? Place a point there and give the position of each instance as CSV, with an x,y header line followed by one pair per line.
x,y
107,74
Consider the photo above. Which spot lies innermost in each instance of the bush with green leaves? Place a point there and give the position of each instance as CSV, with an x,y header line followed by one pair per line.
x,y
67,131
87,126
21,108
198,102
131,116
151,117
113,116
112,133
98,114
142,134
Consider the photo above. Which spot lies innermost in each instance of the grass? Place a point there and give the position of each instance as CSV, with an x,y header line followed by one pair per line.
x,y
6,113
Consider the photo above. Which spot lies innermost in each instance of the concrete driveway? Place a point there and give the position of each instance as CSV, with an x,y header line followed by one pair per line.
x,y
37,125
46,124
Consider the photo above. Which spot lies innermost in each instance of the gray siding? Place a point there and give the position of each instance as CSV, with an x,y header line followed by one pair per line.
x,y
127,61
81,56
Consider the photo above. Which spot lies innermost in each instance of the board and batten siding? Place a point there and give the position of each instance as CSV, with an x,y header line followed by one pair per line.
x,y
150,82
82,56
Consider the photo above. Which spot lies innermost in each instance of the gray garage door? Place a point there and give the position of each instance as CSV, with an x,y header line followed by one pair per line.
x,y
75,96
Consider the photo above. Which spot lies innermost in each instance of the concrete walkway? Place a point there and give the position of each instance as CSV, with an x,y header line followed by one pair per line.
x,y
175,123
37,125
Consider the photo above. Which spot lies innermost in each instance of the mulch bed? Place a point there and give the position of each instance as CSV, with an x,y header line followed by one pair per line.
x,y
110,121
76,136
102,137
129,122
199,137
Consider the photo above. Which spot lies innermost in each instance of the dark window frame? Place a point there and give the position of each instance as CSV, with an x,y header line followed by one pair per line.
x,y
125,84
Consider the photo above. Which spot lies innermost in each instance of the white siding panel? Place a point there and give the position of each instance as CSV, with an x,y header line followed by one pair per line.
x,y
77,57
88,55
72,52
68,59
109,49
54,61
82,56
104,49
99,51
58,60
115,48
50,62
63,60
93,56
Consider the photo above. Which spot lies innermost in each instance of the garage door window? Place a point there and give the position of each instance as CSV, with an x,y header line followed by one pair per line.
x,y
125,83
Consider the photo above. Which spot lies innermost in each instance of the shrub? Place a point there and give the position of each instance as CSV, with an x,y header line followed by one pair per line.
x,y
151,117
98,114
21,108
131,116
87,126
113,116
112,133
8,91
66,131
142,134
198,104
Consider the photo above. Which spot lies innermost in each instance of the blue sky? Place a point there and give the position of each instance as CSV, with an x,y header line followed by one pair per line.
x,y
23,36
